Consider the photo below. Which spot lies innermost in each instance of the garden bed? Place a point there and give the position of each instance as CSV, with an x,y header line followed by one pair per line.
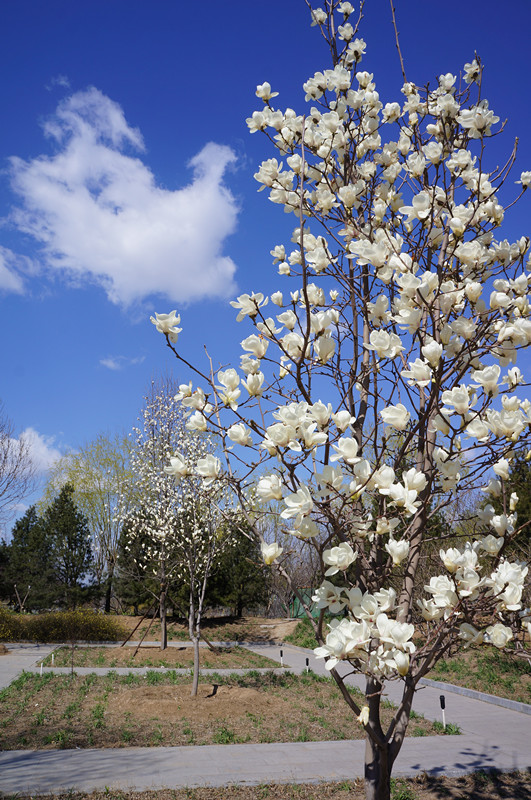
x,y
172,657
63,711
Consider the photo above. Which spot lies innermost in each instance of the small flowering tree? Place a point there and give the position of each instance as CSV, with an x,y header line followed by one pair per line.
x,y
405,311
179,530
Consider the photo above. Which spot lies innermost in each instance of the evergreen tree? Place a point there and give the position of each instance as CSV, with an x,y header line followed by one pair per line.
x,y
29,571
240,580
71,551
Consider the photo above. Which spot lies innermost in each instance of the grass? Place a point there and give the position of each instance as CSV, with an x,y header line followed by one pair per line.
x,y
303,635
478,786
487,670
60,711
172,657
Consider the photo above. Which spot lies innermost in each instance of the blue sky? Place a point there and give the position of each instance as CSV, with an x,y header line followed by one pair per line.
x,y
126,182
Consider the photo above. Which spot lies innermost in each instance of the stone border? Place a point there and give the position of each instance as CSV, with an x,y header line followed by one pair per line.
x,y
512,705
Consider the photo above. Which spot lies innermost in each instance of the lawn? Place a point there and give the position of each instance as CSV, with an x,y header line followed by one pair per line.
x,y
63,711
172,657
479,786
487,670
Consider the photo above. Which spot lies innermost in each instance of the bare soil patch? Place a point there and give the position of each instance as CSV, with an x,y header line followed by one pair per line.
x,y
172,657
213,702
63,711
479,786
220,629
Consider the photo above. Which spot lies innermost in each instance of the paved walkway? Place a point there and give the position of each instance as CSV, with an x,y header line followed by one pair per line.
x,y
492,737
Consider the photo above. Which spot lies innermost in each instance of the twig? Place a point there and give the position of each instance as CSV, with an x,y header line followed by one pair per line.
x,y
398,42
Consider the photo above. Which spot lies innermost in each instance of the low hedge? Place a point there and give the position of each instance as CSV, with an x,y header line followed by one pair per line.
x,y
59,626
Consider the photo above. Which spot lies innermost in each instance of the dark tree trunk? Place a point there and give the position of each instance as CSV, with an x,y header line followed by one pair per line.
x,y
108,591
377,771
163,622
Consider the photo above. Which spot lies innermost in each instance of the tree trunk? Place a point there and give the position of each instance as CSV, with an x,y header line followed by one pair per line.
x,y
163,625
377,771
195,681
108,591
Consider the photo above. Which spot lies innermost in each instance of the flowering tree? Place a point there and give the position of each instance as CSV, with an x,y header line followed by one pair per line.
x,y
405,312
179,529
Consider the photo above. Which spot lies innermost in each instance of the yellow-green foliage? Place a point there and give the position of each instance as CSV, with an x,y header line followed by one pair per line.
x,y
59,626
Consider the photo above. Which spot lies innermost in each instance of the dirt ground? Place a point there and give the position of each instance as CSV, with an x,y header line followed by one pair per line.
x,y
226,629
213,702
480,786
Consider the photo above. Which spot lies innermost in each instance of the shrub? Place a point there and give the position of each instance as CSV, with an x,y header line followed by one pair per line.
x,y
59,626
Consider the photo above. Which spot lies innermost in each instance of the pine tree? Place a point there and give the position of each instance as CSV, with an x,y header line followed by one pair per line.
x,y
240,580
71,551
29,571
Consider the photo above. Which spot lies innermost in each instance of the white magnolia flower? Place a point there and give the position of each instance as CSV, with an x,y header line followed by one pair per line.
x,y
256,345
253,383
396,416
498,635
306,529
329,596
208,468
270,487
487,378
347,639
432,352
196,422
470,634
397,549
167,324
299,504
339,558
342,419
263,91
270,552
248,305
386,345
419,373
459,398
240,434
501,468
178,467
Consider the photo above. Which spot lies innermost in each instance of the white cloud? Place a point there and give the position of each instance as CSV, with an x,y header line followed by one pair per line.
x,y
42,450
10,281
119,362
99,214
58,80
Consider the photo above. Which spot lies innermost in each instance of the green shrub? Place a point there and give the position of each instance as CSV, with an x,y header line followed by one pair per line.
x,y
59,626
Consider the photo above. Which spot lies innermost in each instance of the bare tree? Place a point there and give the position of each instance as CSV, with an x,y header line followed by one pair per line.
x,y
17,470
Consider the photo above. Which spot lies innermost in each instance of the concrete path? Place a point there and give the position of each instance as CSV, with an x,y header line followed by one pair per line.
x,y
492,737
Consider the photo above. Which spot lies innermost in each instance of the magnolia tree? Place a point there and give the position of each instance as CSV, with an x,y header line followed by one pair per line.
x,y
380,381
179,530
